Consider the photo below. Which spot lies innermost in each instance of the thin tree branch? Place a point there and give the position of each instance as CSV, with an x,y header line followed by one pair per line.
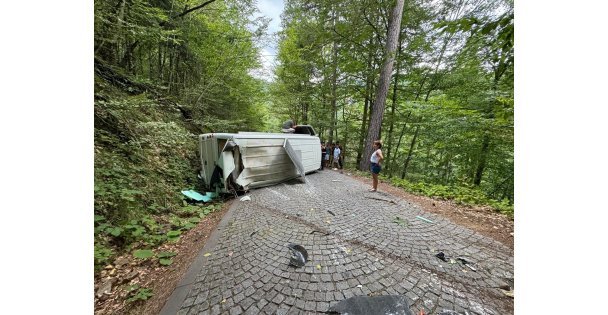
x,y
195,8
378,35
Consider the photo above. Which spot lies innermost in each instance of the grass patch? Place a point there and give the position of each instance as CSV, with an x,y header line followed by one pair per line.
x,y
464,195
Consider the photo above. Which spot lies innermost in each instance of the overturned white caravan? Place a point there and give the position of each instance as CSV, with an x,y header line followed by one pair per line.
x,y
239,161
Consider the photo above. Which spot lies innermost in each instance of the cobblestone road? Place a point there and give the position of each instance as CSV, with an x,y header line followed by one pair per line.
x,y
357,249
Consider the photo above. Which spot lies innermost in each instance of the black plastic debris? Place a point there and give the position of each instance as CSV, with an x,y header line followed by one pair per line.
x,y
467,263
299,256
505,287
373,305
331,213
441,256
462,260
230,145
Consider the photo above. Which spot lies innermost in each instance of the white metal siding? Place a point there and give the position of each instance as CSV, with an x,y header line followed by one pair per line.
x,y
265,161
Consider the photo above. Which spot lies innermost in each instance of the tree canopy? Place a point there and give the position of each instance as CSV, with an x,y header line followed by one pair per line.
x,y
449,117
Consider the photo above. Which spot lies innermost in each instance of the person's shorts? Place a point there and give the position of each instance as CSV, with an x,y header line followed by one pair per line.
x,y
375,168
326,157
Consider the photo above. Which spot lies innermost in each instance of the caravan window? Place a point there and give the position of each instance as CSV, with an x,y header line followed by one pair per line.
x,y
305,130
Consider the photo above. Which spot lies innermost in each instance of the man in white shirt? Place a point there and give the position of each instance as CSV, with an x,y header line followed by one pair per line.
x,y
336,160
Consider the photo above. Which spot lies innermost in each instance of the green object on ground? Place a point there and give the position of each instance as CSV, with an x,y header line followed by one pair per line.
x,y
198,197
424,219
400,221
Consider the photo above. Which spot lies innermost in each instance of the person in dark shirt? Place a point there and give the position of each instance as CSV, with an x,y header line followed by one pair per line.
x,y
289,127
327,154
322,155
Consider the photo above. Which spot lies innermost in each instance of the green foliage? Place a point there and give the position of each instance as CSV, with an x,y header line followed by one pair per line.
x,y
143,253
137,293
102,255
461,194
165,254
173,236
140,168
448,118
160,80
464,195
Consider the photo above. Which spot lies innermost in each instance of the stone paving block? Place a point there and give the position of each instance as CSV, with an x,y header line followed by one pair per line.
x,y
247,302
283,310
270,308
229,302
253,310
310,306
237,310
215,310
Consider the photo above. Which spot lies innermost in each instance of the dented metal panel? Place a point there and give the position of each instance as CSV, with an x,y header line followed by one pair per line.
x,y
296,158
226,162
264,160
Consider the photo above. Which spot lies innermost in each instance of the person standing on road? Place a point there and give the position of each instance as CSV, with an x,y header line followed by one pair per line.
x,y
327,154
322,155
375,166
336,161
331,154
341,160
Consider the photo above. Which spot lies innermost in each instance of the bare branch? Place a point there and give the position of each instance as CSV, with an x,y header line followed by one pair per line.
x,y
195,8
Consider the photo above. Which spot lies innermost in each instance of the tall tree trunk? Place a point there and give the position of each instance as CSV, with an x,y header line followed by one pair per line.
x,y
485,146
305,114
171,67
409,154
160,62
305,102
391,162
366,105
363,123
334,79
385,75
393,105
345,138
446,168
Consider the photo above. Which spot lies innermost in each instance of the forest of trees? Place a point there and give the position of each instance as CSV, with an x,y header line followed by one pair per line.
x,y
168,70
449,107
